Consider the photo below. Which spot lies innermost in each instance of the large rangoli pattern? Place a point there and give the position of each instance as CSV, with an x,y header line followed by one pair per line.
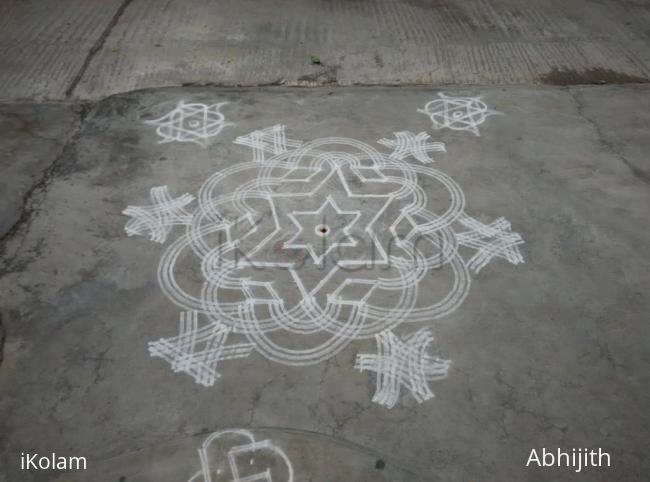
x,y
313,245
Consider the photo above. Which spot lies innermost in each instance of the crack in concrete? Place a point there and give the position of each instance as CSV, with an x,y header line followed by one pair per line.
x,y
640,174
96,48
47,174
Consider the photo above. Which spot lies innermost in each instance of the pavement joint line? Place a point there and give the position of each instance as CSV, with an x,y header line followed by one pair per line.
x,y
635,171
97,46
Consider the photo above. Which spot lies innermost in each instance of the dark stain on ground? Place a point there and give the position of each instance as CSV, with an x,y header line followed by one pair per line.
x,y
590,76
16,123
116,106
380,464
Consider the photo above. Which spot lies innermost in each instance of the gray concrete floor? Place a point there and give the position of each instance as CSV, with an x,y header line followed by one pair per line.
x,y
56,49
549,353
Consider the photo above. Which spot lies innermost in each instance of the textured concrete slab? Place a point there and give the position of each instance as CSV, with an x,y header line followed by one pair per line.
x,y
548,353
239,42
32,138
53,49
44,44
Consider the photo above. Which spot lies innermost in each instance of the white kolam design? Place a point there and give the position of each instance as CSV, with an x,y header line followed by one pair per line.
x,y
158,218
403,362
407,144
236,456
457,113
190,122
314,245
197,349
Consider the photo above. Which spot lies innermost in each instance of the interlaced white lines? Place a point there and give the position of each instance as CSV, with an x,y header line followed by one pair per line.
x,y
404,363
457,113
190,122
197,350
236,456
408,144
489,241
313,245
271,140
322,223
158,218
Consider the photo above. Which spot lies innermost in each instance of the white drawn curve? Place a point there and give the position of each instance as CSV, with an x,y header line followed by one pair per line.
x,y
313,245
247,445
457,112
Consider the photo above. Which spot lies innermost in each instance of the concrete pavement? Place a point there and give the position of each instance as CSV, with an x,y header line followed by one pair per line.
x,y
546,353
55,49
314,264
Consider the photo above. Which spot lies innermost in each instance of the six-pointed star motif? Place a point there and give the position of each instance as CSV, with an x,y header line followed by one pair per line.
x,y
254,222
367,250
190,122
321,231
457,113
